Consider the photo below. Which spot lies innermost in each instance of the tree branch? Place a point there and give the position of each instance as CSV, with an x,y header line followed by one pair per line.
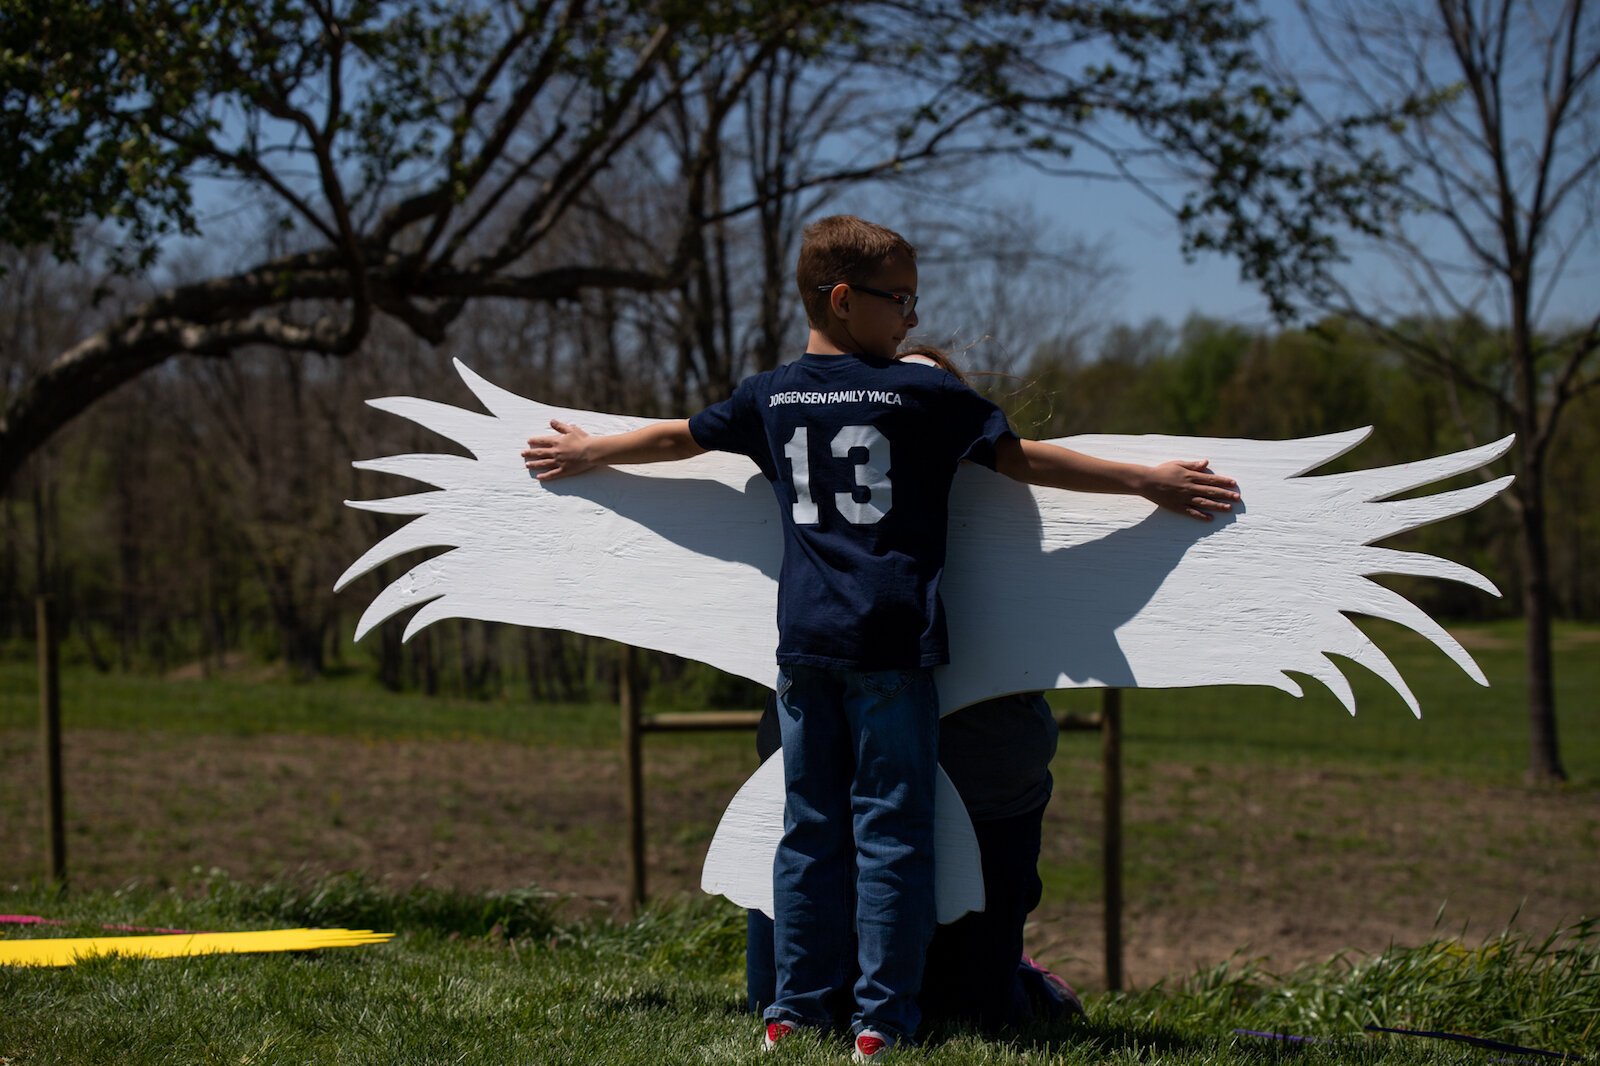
x,y
457,183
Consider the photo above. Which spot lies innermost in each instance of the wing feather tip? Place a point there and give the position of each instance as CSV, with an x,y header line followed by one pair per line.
x,y
433,610
1470,667
1337,683
370,562
1407,697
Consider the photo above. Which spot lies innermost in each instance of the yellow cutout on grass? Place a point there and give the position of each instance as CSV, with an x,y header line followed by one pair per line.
x,y
66,951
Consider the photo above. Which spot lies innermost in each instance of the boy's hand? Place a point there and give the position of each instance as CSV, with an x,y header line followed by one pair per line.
x,y
572,451
561,455
1186,486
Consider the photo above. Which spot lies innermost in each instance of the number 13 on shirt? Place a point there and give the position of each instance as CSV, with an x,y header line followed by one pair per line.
x,y
872,473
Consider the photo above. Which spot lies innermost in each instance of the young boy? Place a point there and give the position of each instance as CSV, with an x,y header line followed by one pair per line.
x,y
861,451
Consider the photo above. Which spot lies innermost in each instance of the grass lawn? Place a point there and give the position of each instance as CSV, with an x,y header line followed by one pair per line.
x,y
500,979
1466,730
1256,824
347,706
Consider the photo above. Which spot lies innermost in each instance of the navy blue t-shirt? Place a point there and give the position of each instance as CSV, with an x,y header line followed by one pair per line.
x,y
860,452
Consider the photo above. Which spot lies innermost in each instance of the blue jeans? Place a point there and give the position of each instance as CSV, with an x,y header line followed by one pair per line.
x,y
859,757
973,973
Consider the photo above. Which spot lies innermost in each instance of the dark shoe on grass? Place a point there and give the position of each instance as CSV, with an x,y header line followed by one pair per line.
x,y
1053,999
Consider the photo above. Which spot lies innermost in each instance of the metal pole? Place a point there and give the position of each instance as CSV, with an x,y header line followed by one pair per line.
x,y
633,774
1111,845
50,742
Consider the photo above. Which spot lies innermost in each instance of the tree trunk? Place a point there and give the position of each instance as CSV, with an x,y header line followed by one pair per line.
x,y
390,658
303,647
427,663
530,663
11,619
130,622
1544,758
1544,753
44,526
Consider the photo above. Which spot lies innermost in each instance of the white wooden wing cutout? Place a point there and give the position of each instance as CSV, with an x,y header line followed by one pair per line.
x,y
739,861
1043,588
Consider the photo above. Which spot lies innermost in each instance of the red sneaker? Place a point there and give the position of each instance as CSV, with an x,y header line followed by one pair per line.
x,y
776,1031
872,1045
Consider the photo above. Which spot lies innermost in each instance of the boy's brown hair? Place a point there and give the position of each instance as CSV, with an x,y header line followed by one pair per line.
x,y
843,248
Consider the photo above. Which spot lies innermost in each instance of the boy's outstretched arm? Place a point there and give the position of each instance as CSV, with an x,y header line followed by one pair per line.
x,y
572,451
1185,486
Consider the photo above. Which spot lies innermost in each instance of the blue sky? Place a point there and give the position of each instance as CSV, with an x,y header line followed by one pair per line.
x,y
1158,282
1143,241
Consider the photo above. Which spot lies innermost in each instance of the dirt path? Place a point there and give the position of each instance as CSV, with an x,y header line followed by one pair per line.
x,y
1289,865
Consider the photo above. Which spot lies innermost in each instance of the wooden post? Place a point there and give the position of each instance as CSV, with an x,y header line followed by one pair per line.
x,y
632,773
1111,844
50,742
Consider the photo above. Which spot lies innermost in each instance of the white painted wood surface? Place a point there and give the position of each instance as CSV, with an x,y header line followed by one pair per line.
x,y
739,862
1043,588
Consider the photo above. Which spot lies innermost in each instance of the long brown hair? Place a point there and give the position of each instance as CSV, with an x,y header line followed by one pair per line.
x,y
939,356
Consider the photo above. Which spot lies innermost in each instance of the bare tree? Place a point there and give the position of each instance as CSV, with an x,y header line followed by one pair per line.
x,y
1489,115
38,314
427,157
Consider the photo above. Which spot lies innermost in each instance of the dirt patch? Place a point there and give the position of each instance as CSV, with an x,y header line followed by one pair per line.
x,y
1288,865
159,808
1295,866
1483,640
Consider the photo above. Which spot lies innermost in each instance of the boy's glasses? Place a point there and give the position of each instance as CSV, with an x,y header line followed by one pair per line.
x,y
907,301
